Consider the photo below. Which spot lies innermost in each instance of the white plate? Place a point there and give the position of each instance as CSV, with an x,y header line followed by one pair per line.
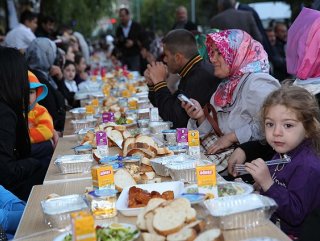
x,y
122,203
247,189
127,225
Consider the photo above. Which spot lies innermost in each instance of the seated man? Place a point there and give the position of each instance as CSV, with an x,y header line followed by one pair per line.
x,y
197,77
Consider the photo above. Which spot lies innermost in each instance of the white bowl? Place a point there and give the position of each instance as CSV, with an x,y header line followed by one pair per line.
x,y
122,203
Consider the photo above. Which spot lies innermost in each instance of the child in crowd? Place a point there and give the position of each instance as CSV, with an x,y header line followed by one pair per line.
x,y
40,122
291,118
11,210
81,74
69,87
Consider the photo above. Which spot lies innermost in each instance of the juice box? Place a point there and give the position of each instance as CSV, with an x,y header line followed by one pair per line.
x,y
182,136
108,117
102,177
83,226
102,143
95,102
206,176
194,143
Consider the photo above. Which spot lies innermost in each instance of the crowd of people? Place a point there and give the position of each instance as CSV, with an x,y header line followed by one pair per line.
x,y
242,103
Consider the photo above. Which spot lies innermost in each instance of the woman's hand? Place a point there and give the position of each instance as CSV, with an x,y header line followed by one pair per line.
x,y
194,111
260,173
238,156
223,142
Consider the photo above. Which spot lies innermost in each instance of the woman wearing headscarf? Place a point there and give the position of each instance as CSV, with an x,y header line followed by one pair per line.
x,y
242,64
40,56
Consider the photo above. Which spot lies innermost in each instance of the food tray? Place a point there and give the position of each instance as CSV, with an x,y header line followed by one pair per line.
x,y
82,132
241,211
78,113
160,164
83,123
74,163
57,210
122,203
170,137
159,126
185,172
144,123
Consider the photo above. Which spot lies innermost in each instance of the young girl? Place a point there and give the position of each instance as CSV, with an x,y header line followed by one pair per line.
x,y
69,88
81,66
291,122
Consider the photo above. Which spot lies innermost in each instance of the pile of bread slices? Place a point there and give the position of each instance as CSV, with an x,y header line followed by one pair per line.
x,y
174,220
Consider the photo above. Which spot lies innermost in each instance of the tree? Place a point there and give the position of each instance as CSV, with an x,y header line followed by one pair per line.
x,y
82,15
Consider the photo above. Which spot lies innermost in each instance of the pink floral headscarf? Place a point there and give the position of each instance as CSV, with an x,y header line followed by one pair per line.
x,y
303,52
242,54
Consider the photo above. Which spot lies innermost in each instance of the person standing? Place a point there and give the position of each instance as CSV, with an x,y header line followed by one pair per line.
x,y
182,21
21,36
128,40
230,18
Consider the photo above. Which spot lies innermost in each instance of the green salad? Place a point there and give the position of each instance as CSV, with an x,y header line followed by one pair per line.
x,y
115,232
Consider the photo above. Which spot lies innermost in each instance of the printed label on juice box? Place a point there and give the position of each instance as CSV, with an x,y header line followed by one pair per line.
x,y
193,138
102,143
83,226
206,176
89,109
108,117
102,177
182,135
95,102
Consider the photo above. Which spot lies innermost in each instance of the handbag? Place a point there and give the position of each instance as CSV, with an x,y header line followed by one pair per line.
x,y
220,159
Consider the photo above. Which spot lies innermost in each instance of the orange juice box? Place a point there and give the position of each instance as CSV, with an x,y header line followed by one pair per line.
x,y
83,227
125,93
95,102
102,177
89,109
206,176
194,143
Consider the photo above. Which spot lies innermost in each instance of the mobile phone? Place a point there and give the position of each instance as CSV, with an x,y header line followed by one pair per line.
x,y
184,98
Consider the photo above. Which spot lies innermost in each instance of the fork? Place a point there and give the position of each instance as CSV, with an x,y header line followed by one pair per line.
x,y
240,168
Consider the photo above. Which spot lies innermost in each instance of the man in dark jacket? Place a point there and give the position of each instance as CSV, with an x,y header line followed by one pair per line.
x,y
128,40
182,21
230,18
197,77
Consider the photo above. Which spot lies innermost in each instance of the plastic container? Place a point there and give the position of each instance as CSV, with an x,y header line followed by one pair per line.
x,y
144,123
169,137
186,171
143,114
82,132
244,211
57,210
159,126
74,163
83,123
78,113
103,203
122,203
160,165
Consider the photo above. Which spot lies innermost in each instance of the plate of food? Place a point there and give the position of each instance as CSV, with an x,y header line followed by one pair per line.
x,y
112,232
221,190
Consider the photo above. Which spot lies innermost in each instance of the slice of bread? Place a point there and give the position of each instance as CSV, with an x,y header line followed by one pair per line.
x,y
148,175
146,161
123,179
150,151
168,220
116,137
214,234
152,204
198,225
146,139
152,237
149,217
96,155
191,215
125,145
126,134
186,234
